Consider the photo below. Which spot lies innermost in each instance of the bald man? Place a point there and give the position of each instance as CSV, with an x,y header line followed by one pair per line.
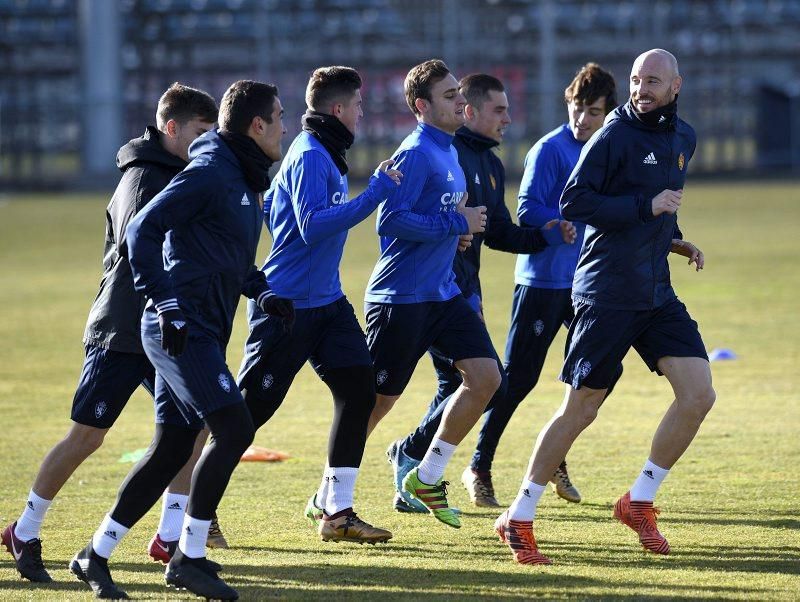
x,y
627,188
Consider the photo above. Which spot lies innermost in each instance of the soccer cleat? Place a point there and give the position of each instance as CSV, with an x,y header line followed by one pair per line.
x,y
27,555
403,502
518,534
193,575
346,526
641,517
563,486
215,537
93,570
313,512
163,551
433,496
480,488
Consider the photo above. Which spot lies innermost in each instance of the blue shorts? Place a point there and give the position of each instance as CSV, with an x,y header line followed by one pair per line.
x,y
193,385
108,379
327,337
599,338
398,335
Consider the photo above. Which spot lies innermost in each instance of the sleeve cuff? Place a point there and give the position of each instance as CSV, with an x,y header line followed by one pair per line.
x,y
166,305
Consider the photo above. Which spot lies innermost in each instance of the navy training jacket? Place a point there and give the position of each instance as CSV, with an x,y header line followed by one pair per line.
x,y
485,178
623,263
211,220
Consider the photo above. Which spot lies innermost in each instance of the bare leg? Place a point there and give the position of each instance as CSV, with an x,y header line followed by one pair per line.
x,y
383,405
481,379
58,465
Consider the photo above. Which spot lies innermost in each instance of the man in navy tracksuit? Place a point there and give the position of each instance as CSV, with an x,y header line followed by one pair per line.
x,y
208,222
309,214
487,117
412,302
115,364
627,188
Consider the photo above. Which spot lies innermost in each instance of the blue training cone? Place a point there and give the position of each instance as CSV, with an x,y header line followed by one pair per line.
x,y
720,353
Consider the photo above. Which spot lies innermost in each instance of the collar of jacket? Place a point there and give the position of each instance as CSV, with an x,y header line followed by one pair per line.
x,y
474,140
662,119
440,137
148,149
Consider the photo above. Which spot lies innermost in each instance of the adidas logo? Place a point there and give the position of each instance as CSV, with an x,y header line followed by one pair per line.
x,y
245,200
662,119
175,506
477,179
30,505
437,451
332,479
450,177
189,530
650,160
178,324
526,493
111,534
648,473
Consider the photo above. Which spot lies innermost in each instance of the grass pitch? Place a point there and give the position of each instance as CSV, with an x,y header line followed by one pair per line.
x,y
731,509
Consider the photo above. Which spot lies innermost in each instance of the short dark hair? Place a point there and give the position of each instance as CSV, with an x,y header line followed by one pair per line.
x,y
328,85
590,83
476,87
245,100
421,79
183,104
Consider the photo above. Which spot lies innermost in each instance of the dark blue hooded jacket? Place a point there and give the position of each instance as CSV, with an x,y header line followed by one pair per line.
x,y
623,263
211,220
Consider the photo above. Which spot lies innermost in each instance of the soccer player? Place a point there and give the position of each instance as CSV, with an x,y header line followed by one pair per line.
x,y
115,363
191,252
486,119
413,303
309,214
623,298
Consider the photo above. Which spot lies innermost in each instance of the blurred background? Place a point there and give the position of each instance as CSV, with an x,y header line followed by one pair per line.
x,y
78,78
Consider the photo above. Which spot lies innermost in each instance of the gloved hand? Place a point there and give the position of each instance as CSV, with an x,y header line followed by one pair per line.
x,y
174,331
278,306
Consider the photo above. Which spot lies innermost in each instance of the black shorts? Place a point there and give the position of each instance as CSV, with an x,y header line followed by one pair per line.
x,y
398,335
108,379
327,337
599,338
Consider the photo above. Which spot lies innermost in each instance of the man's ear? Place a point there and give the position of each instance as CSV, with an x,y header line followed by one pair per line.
x,y
422,105
337,109
676,84
171,128
469,111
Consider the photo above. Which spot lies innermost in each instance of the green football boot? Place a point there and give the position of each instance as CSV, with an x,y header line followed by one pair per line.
x,y
433,496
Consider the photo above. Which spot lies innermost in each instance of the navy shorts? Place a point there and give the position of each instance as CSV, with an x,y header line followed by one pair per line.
x,y
327,337
398,335
599,338
193,385
108,379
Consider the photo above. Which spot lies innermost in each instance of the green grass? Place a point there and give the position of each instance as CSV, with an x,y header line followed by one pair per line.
x,y
731,508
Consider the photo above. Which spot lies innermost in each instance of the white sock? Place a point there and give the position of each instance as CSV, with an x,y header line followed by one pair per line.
x,y
524,505
173,506
431,469
647,483
108,536
29,524
322,492
341,484
193,537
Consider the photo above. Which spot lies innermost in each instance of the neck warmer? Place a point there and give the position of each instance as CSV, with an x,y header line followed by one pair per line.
x,y
661,118
255,163
333,135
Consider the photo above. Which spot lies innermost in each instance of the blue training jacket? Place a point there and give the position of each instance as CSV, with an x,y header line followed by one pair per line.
x,y
547,168
418,223
623,263
308,212
211,220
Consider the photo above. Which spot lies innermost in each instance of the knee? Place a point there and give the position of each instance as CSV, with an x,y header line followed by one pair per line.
x,y
383,405
85,440
701,401
483,378
580,408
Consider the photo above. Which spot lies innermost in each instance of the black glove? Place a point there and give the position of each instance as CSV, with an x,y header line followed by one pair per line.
x,y
174,331
278,306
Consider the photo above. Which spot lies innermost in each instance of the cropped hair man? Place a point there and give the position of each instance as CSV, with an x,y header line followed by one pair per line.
x,y
192,251
115,364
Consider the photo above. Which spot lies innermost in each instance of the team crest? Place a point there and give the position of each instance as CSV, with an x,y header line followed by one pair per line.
x,y
266,383
584,368
100,408
493,182
381,377
538,327
224,382
681,161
